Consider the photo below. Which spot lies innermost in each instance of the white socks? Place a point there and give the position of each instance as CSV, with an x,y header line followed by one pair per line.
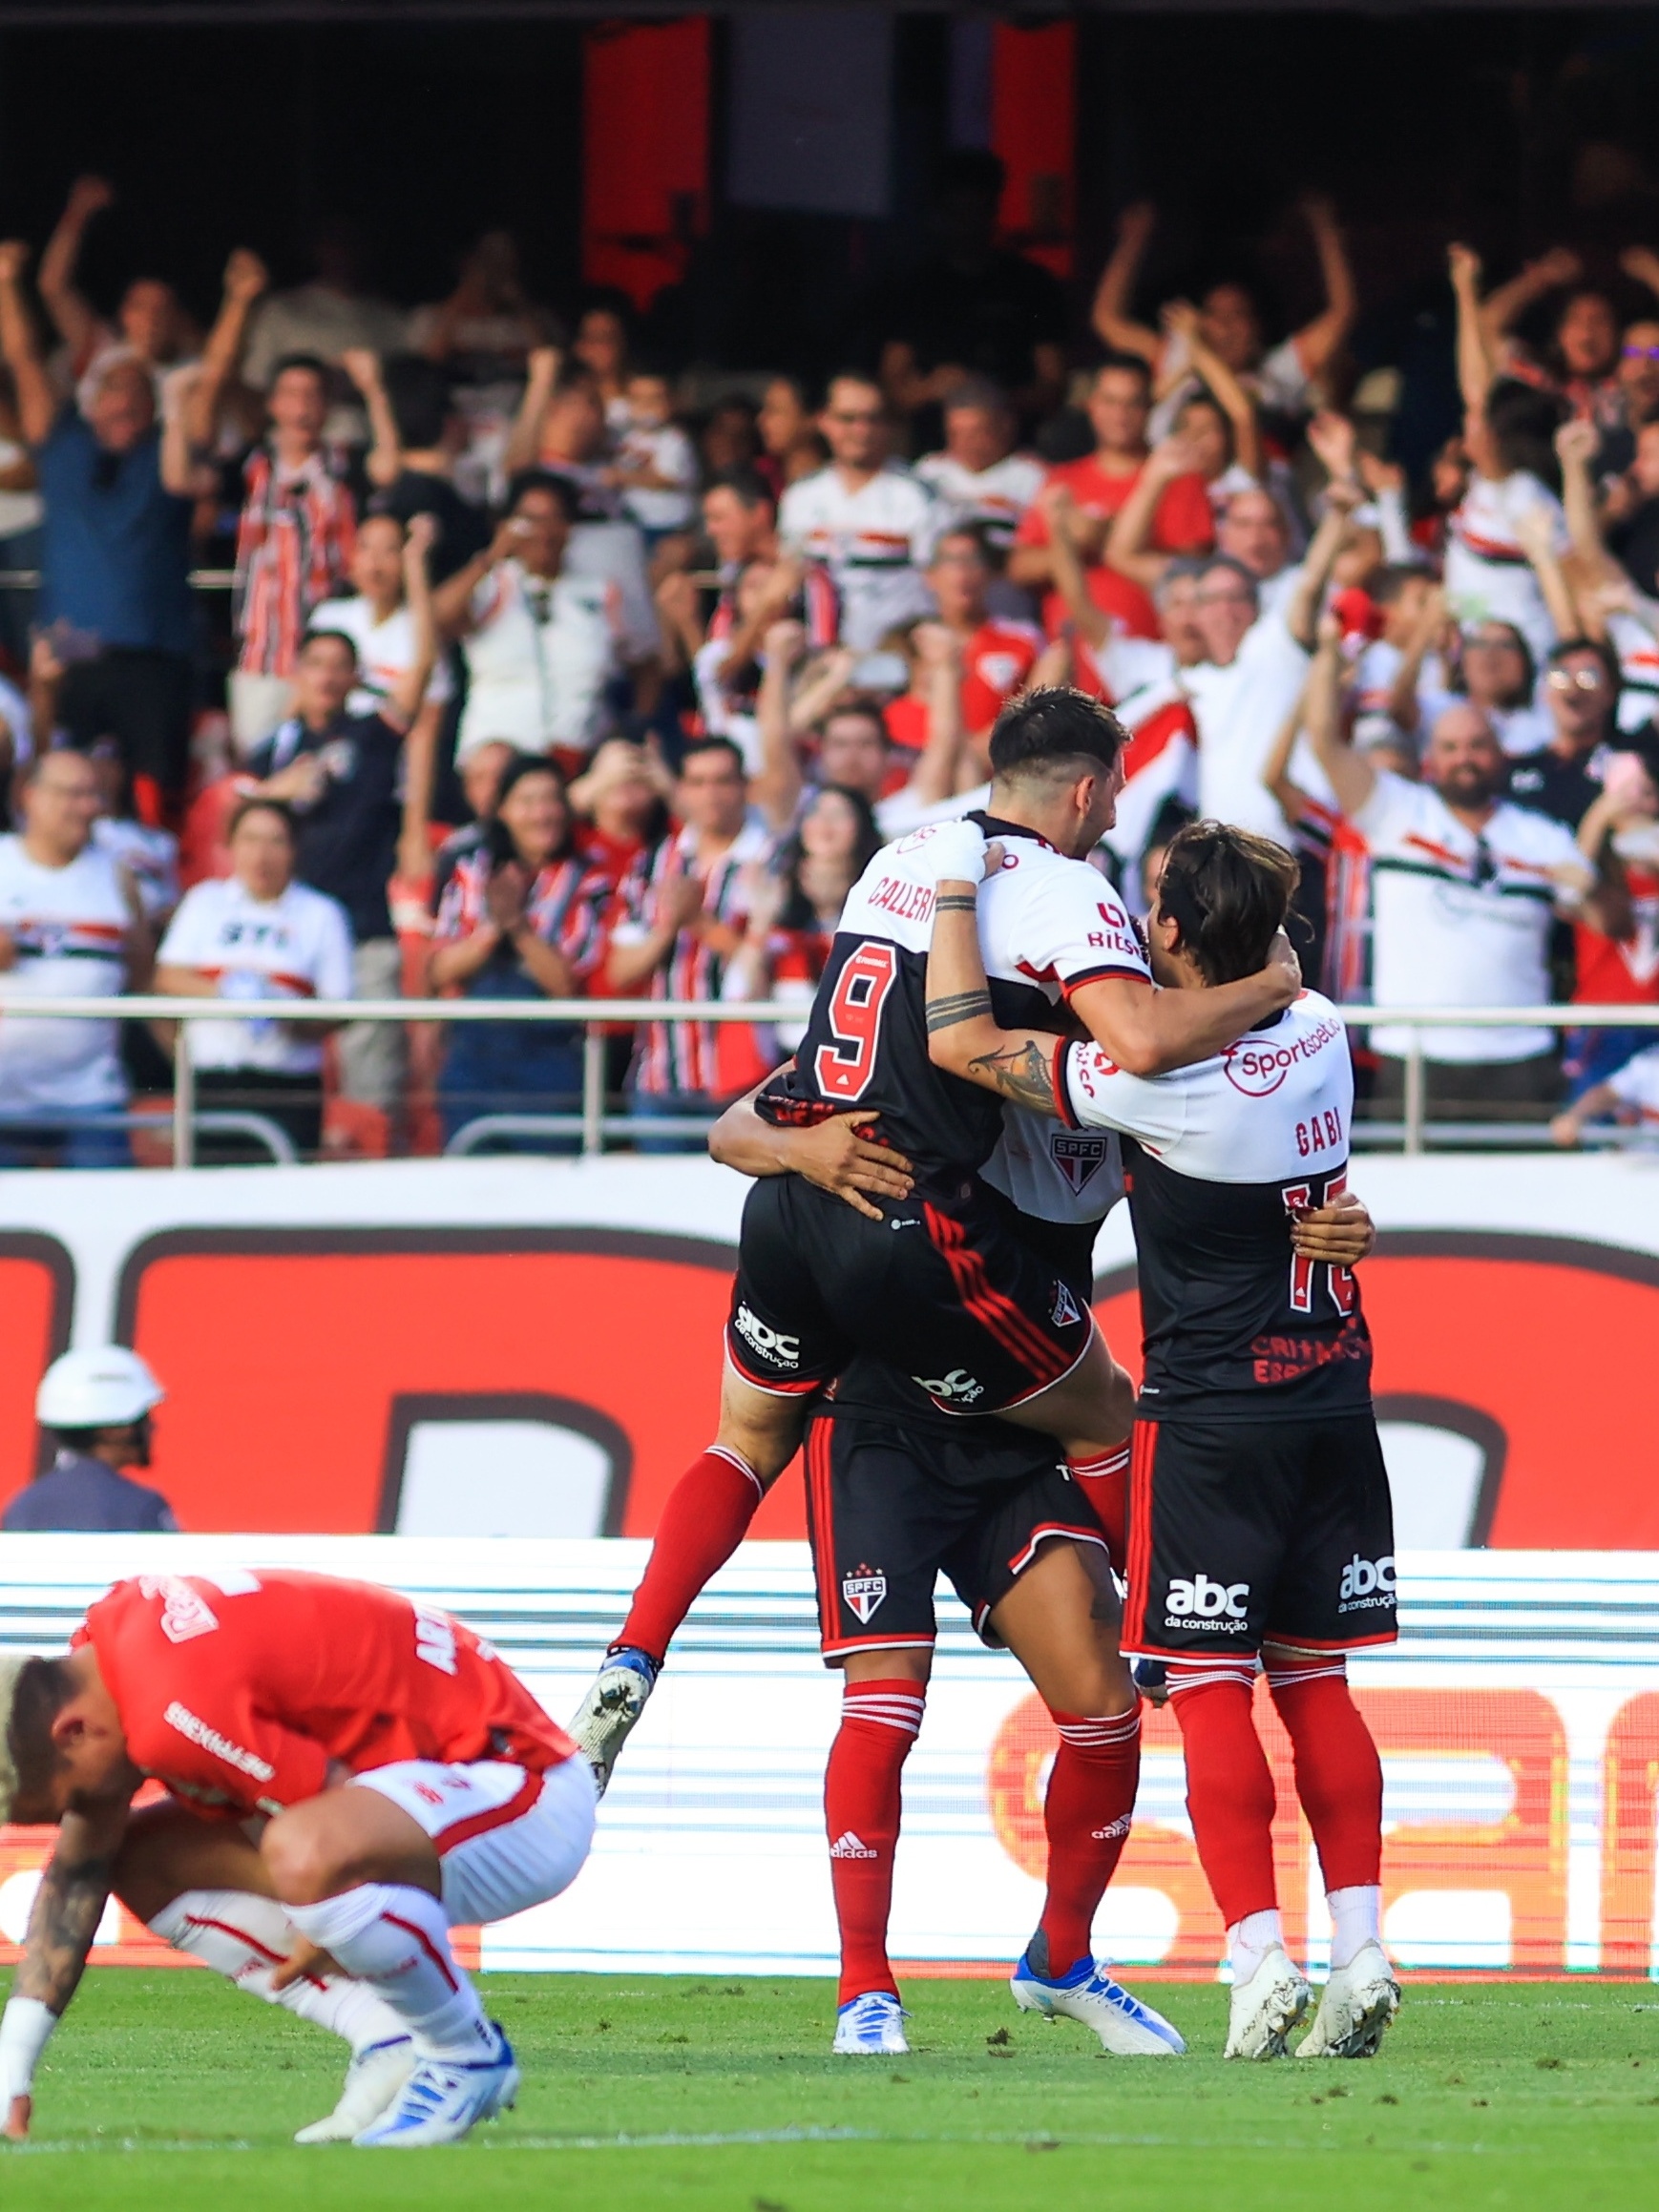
x,y
245,1937
397,1938
1356,1920
1249,1942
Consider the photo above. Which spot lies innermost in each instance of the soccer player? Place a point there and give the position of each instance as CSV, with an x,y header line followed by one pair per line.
x,y
978,1319
1260,1527
350,1775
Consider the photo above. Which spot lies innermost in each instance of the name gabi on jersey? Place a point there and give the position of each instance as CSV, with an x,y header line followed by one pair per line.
x,y
907,902
1258,1069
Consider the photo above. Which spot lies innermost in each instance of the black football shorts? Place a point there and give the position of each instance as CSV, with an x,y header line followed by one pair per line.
x,y
939,1288
888,1509
1246,1532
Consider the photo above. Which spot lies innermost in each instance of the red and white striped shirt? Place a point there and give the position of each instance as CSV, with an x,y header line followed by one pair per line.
x,y
711,1059
565,907
293,548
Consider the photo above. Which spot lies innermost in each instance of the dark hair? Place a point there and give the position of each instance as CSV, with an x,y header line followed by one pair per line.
x,y
746,486
1599,646
1391,580
1235,568
498,838
977,391
333,636
862,707
1203,397
42,1690
549,480
797,912
704,745
1227,891
419,395
1130,363
311,363
1045,729
969,529
1523,421
1528,683
279,807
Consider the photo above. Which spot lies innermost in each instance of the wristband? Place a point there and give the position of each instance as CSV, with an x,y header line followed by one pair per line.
x,y
955,902
26,2029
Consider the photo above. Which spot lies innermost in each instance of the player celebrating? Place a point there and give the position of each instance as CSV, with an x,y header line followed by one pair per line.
x,y
1258,1485
972,1314
350,1776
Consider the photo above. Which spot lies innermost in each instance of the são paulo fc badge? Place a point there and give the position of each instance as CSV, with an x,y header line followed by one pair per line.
x,y
1066,1309
864,1590
1080,1158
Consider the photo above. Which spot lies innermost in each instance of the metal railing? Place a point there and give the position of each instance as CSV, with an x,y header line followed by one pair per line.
x,y
593,1125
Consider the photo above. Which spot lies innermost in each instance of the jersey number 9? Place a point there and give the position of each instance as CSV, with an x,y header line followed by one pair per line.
x,y
842,1070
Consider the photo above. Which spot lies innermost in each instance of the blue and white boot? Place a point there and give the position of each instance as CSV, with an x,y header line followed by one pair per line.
x,y
374,2080
871,2027
1126,2028
606,1717
445,2098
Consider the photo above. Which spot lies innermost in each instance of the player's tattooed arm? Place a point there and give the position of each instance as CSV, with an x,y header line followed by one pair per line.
x,y
959,1006
67,1905
1021,1069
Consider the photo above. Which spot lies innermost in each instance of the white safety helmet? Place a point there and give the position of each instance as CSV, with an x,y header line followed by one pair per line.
x,y
95,1389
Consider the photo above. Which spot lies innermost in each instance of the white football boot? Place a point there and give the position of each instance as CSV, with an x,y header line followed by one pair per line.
x,y
373,2082
1266,2007
1126,2028
606,1717
1356,2006
870,2027
445,2098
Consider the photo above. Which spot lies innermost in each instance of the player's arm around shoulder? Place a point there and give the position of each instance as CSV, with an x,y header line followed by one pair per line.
x,y
964,1037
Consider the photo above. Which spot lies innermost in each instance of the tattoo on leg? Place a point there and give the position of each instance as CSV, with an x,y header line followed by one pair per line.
x,y
1021,1072
945,1014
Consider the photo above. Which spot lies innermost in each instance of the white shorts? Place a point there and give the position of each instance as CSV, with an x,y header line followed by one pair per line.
x,y
506,1839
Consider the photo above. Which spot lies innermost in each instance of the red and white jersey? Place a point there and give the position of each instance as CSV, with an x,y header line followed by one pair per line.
x,y
1140,680
298,945
1461,918
237,1690
875,541
1624,970
996,660
1220,1157
293,548
1638,651
714,1059
565,907
69,926
1345,859
995,498
1488,577
385,652
1047,926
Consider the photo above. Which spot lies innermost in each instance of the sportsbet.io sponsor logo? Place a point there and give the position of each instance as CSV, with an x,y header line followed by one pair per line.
x,y
1217,1608
1257,1070
784,1351
1367,1584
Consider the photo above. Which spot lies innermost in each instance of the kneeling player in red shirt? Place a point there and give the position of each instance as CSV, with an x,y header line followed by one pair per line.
x,y
350,1776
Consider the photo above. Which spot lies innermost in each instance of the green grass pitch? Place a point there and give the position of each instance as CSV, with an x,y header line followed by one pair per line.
x,y
172,2090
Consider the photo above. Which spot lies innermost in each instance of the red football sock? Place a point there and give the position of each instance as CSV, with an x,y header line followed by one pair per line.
x,y
861,1805
1105,1483
705,1519
1229,1785
1338,1774
1090,1801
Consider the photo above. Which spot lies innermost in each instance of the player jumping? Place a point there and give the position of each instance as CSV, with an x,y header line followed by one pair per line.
x,y
937,1277
1258,1491
350,1775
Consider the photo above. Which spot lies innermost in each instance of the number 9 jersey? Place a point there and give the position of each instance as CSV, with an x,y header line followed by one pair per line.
x,y
1047,926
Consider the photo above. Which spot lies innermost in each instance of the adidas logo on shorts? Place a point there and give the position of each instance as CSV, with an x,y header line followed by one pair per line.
x,y
850,1846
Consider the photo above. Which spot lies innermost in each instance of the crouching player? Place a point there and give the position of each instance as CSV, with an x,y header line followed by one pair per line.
x,y
350,1775
1258,1480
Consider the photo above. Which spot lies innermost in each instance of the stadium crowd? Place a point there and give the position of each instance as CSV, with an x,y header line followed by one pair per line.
x,y
547,677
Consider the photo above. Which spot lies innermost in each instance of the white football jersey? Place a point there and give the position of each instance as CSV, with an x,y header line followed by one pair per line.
x,y
69,926
295,947
875,542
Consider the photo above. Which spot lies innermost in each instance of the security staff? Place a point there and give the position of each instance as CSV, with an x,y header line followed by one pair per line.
x,y
98,1405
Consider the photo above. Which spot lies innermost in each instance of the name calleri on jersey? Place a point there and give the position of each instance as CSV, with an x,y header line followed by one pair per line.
x,y
1047,926
1218,1159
